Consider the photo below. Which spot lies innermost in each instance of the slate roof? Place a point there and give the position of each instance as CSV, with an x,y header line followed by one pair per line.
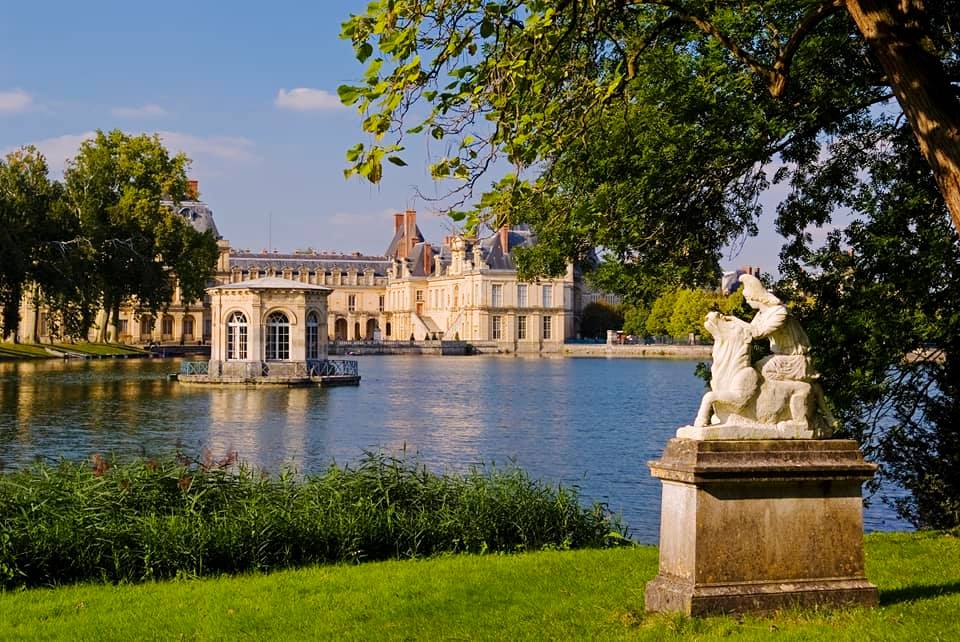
x,y
398,236
326,262
271,283
197,213
416,260
493,254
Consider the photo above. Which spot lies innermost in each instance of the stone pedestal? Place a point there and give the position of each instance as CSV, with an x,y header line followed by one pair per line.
x,y
758,525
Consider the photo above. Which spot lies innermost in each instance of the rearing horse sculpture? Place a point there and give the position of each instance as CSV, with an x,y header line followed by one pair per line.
x,y
734,382
740,397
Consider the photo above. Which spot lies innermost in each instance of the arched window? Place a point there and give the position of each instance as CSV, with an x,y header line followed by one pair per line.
x,y
313,336
340,330
278,337
237,337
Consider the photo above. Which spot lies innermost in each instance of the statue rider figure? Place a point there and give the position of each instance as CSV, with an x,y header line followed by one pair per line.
x,y
788,341
788,374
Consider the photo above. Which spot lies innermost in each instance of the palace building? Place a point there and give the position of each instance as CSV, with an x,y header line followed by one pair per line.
x,y
463,289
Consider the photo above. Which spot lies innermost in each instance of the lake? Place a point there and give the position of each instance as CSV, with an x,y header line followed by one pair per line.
x,y
592,423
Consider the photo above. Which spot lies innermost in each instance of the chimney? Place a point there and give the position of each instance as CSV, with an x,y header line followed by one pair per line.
x,y
505,239
397,222
411,230
193,189
427,258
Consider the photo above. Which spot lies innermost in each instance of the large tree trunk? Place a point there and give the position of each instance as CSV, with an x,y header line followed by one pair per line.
x,y
36,313
895,31
103,329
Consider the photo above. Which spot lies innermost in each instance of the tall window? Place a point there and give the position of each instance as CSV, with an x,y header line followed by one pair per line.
x,y
496,295
547,327
497,328
313,336
548,296
188,325
382,301
419,296
166,326
521,295
351,302
278,337
237,337
521,327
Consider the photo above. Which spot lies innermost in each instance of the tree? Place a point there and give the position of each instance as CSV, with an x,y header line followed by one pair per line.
x,y
689,310
651,127
528,79
27,228
598,317
635,320
660,313
880,307
138,245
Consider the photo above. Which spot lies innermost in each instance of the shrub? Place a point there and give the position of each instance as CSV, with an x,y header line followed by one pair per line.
x,y
149,520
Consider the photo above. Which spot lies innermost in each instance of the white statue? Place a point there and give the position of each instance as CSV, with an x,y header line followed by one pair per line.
x,y
779,397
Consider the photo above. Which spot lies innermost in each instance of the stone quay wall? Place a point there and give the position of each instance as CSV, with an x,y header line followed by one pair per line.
x,y
637,351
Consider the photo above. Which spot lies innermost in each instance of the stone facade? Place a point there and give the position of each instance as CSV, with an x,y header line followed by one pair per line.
x,y
463,289
265,323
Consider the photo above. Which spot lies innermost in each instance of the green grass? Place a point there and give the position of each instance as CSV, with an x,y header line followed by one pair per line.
x,y
99,349
22,351
558,595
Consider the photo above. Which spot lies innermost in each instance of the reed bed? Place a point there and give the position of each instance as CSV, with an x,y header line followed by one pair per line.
x,y
181,517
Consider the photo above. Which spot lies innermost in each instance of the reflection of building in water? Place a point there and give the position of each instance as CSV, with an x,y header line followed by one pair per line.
x,y
271,426
465,288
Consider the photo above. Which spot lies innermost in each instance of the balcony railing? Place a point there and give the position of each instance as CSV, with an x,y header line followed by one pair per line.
x,y
195,368
255,369
333,368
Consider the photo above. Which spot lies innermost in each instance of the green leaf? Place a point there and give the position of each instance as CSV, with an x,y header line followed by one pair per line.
x,y
354,152
348,94
396,160
364,51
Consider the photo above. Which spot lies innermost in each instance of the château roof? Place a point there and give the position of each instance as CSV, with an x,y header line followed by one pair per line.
x,y
271,283
311,261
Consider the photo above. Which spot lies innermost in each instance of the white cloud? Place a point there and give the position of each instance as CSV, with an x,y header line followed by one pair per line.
x,y
231,148
15,101
205,150
307,99
145,111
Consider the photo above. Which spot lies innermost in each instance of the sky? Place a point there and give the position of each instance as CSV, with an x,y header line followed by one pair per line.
x,y
248,91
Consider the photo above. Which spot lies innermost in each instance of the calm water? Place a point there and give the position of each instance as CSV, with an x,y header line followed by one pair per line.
x,y
593,423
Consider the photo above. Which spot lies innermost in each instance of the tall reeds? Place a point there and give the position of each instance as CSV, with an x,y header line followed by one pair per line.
x,y
151,519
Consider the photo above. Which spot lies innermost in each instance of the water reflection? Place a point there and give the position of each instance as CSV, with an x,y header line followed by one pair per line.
x,y
593,423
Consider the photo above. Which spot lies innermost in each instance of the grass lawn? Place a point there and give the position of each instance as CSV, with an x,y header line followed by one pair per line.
x,y
22,351
105,349
593,594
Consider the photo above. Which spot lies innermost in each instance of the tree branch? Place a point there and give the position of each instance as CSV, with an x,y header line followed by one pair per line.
x,y
781,67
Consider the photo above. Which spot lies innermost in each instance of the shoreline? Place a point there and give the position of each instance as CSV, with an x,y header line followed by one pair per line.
x,y
651,351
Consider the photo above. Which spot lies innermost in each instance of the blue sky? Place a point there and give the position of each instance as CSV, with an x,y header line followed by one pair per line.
x,y
246,89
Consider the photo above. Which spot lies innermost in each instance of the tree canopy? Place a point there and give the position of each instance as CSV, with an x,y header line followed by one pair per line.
x,y
27,225
140,246
650,128
105,236
646,126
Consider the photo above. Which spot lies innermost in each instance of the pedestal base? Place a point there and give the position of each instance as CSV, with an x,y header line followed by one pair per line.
x,y
760,525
